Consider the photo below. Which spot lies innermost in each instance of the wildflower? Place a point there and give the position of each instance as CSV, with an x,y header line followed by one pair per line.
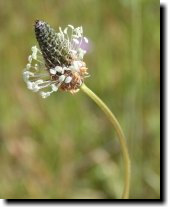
x,y
58,64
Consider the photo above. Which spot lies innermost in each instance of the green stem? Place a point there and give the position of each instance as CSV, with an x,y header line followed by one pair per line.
x,y
120,135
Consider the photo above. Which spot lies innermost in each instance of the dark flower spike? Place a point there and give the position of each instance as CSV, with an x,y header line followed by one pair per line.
x,y
58,64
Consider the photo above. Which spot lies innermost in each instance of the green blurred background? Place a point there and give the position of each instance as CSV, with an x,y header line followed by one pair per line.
x,y
64,147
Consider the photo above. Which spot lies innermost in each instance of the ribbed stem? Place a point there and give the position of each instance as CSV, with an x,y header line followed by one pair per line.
x,y
120,135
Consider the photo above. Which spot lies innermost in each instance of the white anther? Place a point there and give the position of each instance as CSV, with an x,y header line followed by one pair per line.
x,y
34,49
68,79
30,85
35,88
61,78
65,30
79,31
27,74
53,71
76,65
86,40
34,52
34,56
75,41
28,66
36,67
30,59
59,69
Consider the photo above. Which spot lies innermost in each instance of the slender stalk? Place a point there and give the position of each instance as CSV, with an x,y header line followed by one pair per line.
x,y
120,135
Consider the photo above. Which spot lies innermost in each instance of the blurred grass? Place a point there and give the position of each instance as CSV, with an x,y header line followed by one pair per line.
x,y
63,147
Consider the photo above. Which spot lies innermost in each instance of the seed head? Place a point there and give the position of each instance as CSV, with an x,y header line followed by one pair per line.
x,y
58,64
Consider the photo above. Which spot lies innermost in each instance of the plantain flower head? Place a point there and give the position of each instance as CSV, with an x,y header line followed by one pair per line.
x,y
58,62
